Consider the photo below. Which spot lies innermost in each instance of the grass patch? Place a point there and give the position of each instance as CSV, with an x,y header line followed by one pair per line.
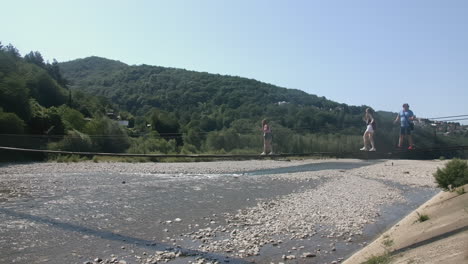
x,y
66,158
422,217
387,243
460,191
120,159
384,259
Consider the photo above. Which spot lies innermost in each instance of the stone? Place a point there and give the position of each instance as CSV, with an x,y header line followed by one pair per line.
x,y
308,255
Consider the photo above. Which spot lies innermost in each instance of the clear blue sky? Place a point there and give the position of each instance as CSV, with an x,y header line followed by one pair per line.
x,y
377,53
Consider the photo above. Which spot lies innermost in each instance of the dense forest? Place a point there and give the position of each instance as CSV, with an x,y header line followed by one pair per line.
x,y
76,106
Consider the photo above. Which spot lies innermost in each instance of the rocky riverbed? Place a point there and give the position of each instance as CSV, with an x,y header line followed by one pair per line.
x,y
305,211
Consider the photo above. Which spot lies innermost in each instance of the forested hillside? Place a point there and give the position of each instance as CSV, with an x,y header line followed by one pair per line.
x,y
212,112
76,106
37,110
214,99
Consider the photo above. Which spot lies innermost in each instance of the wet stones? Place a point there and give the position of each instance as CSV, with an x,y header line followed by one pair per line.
x,y
340,205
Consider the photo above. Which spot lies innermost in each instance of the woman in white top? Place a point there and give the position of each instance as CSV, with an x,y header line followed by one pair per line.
x,y
370,129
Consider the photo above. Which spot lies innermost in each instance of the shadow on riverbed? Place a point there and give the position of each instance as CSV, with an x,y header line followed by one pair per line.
x,y
338,165
142,243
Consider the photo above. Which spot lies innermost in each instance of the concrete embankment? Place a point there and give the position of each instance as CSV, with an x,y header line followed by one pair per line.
x,y
442,238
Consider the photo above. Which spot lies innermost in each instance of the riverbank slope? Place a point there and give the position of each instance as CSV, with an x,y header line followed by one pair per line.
x,y
442,238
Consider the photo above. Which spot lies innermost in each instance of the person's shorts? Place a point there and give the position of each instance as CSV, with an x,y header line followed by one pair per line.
x,y
405,130
370,128
267,136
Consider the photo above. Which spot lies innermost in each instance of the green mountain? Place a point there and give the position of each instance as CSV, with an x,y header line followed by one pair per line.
x,y
211,112
218,98
70,106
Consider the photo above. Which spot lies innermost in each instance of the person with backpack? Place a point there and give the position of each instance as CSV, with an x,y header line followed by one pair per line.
x,y
370,129
406,118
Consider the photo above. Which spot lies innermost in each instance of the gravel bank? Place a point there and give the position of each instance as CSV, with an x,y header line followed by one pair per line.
x,y
338,209
214,167
333,205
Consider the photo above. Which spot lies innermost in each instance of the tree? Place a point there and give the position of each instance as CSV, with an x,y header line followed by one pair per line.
x,y
74,141
35,57
45,90
164,123
10,49
194,137
45,120
54,71
72,118
454,174
14,96
107,135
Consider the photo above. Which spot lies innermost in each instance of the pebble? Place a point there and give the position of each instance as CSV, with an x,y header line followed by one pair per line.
x,y
308,255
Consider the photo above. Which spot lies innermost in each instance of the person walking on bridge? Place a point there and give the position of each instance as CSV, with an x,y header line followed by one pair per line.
x,y
406,118
267,138
368,136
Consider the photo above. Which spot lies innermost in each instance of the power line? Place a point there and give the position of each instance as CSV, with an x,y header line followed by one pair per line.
x,y
444,117
450,120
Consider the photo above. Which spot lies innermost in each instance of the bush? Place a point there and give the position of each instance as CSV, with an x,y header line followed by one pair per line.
x,y
188,149
454,174
107,135
74,141
151,145
66,158
10,123
71,118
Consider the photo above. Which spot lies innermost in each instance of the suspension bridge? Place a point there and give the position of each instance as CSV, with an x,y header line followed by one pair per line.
x,y
395,154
